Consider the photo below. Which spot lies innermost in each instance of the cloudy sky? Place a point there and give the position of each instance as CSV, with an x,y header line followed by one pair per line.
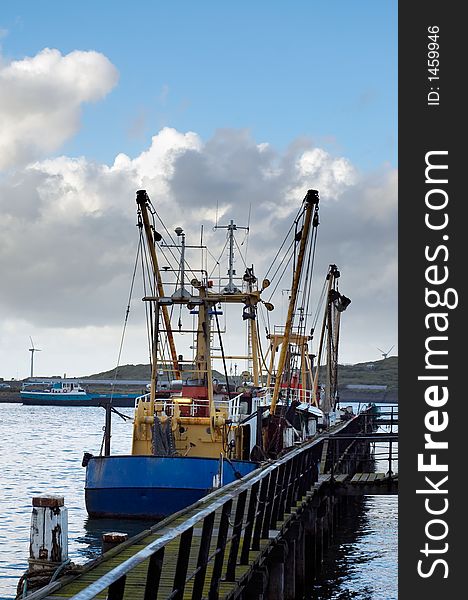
x,y
241,107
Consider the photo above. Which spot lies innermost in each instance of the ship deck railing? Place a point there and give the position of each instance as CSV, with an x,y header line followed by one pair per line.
x,y
231,407
265,395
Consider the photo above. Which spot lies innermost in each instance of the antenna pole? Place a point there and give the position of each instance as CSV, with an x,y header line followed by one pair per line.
x,y
231,288
181,292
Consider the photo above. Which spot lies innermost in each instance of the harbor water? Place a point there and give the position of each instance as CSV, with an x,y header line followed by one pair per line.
x,y
41,452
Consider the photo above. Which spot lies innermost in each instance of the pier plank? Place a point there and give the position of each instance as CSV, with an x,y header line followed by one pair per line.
x,y
135,584
136,578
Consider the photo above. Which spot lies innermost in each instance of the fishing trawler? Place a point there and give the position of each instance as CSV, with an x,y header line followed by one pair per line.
x,y
199,434
59,392
71,393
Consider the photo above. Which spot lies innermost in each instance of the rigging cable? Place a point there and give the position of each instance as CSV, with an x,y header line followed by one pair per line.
x,y
284,241
261,353
217,262
240,253
127,312
309,276
155,212
246,238
224,366
148,305
282,274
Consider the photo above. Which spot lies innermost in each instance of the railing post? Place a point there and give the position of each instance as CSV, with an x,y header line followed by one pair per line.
x,y
297,478
117,589
285,487
312,472
269,503
154,575
220,549
390,459
236,535
203,554
250,524
277,495
260,513
291,485
185,545
305,463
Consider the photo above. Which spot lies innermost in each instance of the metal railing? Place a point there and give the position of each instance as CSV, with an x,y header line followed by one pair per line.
x,y
264,395
231,407
263,498
379,427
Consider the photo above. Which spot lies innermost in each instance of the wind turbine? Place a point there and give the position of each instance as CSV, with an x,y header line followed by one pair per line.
x,y
32,350
385,354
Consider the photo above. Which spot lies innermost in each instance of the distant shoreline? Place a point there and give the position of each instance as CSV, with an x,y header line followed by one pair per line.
x,y
10,397
14,398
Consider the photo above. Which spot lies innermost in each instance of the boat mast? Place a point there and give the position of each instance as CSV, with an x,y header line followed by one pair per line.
x,y
253,341
254,352
336,303
143,201
322,338
311,200
231,288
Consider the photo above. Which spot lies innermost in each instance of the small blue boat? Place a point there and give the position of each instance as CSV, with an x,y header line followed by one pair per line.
x,y
71,393
154,486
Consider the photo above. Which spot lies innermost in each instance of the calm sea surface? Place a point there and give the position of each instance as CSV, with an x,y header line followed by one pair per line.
x,y
41,449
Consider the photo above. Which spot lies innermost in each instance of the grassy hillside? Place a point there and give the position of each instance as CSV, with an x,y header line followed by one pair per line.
x,y
137,372
380,372
141,372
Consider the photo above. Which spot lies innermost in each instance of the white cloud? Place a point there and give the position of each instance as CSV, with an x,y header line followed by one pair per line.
x,y
41,99
68,237
379,198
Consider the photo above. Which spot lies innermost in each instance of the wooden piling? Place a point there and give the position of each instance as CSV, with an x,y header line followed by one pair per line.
x,y
49,532
276,572
112,539
290,571
296,544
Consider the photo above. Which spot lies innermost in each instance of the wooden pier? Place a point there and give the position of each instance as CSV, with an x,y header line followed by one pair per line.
x,y
263,536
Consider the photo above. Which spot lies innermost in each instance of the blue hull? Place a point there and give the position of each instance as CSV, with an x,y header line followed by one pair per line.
x,y
147,487
47,399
